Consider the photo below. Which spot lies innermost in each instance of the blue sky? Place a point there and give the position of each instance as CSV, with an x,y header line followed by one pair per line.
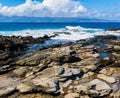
x,y
86,8
99,5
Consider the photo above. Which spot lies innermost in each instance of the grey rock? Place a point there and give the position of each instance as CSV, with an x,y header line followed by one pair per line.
x,y
60,73
95,88
32,59
68,73
46,85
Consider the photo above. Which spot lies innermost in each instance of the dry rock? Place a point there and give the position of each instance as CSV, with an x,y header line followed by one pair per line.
x,y
108,79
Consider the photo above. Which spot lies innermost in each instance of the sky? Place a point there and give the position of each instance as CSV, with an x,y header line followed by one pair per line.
x,y
103,9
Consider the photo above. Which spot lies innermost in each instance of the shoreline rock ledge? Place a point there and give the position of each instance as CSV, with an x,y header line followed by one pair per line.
x,y
85,69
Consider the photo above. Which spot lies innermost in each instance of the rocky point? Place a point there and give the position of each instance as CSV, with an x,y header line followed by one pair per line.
x,y
87,69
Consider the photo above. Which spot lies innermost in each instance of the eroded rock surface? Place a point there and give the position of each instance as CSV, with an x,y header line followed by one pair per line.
x,y
86,69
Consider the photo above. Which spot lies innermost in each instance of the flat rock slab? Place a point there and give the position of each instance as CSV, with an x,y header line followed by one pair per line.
x,y
72,95
95,88
7,85
108,79
8,82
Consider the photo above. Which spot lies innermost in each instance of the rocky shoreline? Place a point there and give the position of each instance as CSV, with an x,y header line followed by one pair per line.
x,y
86,69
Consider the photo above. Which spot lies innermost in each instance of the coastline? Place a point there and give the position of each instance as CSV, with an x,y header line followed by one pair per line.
x,y
88,68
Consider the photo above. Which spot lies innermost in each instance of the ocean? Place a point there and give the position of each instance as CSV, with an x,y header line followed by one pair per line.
x,y
77,31
57,25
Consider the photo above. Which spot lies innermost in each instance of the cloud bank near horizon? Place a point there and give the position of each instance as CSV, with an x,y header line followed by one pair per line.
x,y
52,8
46,8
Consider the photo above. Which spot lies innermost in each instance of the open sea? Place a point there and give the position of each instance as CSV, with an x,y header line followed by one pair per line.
x,y
77,31
40,26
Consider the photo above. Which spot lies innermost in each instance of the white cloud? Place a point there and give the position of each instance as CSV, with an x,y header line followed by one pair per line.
x,y
56,8
46,8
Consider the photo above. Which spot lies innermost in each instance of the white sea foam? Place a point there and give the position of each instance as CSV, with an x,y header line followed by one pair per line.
x,y
74,27
79,28
73,34
28,32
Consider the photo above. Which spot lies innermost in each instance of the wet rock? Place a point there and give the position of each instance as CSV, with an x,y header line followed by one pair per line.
x,y
6,58
12,43
5,55
113,29
57,33
102,37
108,79
13,46
19,43
106,59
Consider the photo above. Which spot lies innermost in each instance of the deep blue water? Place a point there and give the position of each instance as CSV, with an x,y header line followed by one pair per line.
x,y
33,26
